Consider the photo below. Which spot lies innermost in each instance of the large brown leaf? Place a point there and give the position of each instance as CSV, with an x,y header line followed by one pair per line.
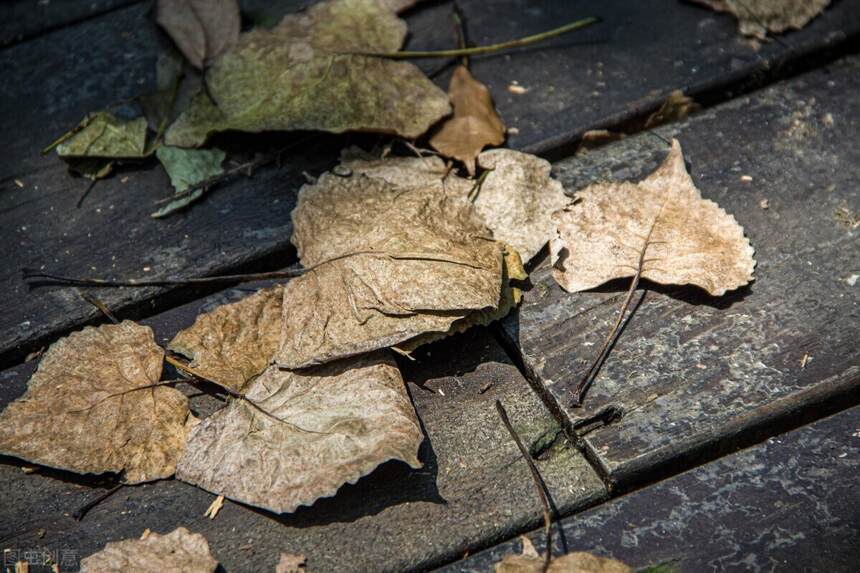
x,y
179,550
81,411
682,238
758,17
517,199
475,123
414,258
312,71
203,30
323,427
236,341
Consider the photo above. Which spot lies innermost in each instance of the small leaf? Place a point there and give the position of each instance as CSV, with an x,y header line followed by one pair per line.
x,y
186,168
91,407
325,427
236,341
577,562
312,72
179,550
475,123
758,17
203,30
102,134
685,239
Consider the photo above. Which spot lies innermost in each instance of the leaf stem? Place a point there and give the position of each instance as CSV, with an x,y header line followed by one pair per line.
x,y
533,39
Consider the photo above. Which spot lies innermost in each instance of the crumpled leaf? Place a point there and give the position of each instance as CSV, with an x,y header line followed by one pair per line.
x,y
179,550
81,412
576,562
692,240
517,199
203,30
758,17
236,341
290,563
186,168
325,427
312,72
475,123
102,134
419,259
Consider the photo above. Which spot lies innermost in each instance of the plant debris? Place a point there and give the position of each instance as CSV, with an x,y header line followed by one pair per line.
x,y
203,30
95,405
187,168
102,134
290,563
179,550
758,17
328,426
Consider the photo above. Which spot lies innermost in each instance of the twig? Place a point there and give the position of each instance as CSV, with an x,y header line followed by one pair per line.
x,y
79,513
476,188
406,55
91,298
538,481
460,32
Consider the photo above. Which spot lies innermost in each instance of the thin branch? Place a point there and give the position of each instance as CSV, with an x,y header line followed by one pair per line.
x,y
479,183
79,513
533,39
93,300
538,481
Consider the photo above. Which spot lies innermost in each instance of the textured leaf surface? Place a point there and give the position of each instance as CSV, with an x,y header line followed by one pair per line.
x,y
79,414
692,240
475,123
758,17
518,198
179,550
236,341
312,72
102,134
420,259
203,30
335,424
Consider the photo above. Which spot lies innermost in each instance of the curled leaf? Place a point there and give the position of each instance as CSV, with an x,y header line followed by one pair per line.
x,y
102,134
313,71
663,220
179,550
325,427
203,30
475,123
236,341
93,407
758,17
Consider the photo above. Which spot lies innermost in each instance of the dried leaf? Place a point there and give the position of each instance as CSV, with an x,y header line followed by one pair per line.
x,y
102,134
81,412
690,240
517,199
312,71
577,562
203,30
420,259
179,550
677,107
475,123
236,341
758,17
186,168
326,427
290,563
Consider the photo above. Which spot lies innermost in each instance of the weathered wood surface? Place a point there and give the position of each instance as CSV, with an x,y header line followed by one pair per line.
x,y
788,504
24,19
607,74
474,490
692,375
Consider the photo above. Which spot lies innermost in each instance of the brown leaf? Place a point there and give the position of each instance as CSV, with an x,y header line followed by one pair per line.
x,y
326,426
577,562
758,17
236,341
203,30
315,71
420,259
475,123
677,107
690,240
290,563
179,550
81,411
517,199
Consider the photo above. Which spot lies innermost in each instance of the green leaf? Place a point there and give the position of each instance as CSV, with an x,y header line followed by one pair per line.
x,y
102,134
186,168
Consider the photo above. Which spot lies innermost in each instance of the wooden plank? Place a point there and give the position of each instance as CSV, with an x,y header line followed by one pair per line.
x,y
25,19
692,375
787,504
474,490
604,75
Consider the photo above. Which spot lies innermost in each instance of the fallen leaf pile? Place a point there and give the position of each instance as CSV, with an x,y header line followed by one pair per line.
x,y
758,17
179,550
